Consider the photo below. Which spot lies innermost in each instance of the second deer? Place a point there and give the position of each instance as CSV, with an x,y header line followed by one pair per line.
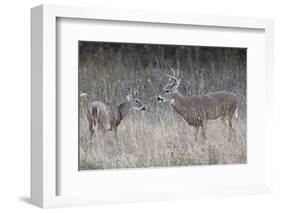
x,y
196,109
107,117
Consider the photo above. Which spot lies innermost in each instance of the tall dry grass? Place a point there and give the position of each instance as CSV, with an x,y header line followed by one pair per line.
x,y
159,138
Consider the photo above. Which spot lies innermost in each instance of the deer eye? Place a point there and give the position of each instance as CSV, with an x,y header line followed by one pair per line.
x,y
167,91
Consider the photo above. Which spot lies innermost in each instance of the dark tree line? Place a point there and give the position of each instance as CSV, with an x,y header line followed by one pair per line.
x,y
107,69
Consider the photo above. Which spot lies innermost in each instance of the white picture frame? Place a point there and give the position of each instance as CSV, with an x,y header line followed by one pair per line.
x,y
44,154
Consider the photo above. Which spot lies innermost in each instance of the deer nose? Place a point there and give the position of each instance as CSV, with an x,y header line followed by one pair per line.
x,y
159,98
143,109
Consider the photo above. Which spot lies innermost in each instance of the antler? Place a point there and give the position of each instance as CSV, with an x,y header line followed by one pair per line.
x,y
128,92
173,71
177,73
131,93
169,76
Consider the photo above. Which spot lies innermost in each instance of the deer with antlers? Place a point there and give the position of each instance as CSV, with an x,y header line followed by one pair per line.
x,y
196,109
107,117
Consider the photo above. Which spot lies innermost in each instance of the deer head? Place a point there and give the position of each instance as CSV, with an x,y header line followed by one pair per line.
x,y
169,91
133,103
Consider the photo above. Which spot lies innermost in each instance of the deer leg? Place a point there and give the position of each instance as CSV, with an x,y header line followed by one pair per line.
x,y
203,131
91,130
196,133
223,119
230,134
230,124
230,128
115,135
92,133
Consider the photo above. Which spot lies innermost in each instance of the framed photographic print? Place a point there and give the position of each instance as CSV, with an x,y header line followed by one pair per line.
x,y
130,106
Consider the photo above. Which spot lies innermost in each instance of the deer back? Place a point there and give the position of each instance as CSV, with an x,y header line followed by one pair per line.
x,y
197,108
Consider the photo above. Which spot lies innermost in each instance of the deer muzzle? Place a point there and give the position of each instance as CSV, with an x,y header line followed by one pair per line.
x,y
160,99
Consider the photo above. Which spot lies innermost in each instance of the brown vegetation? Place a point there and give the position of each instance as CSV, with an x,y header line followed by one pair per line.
x,y
162,138
159,136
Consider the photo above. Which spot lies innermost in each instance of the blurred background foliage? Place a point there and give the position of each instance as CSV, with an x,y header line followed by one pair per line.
x,y
107,69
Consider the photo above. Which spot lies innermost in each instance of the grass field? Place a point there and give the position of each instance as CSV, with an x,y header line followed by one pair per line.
x,y
159,137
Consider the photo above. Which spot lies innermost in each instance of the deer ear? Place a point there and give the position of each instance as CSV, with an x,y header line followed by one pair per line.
x,y
135,93
127,91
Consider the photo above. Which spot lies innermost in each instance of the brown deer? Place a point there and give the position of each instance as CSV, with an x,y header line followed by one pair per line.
x,y
107,117
196,109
